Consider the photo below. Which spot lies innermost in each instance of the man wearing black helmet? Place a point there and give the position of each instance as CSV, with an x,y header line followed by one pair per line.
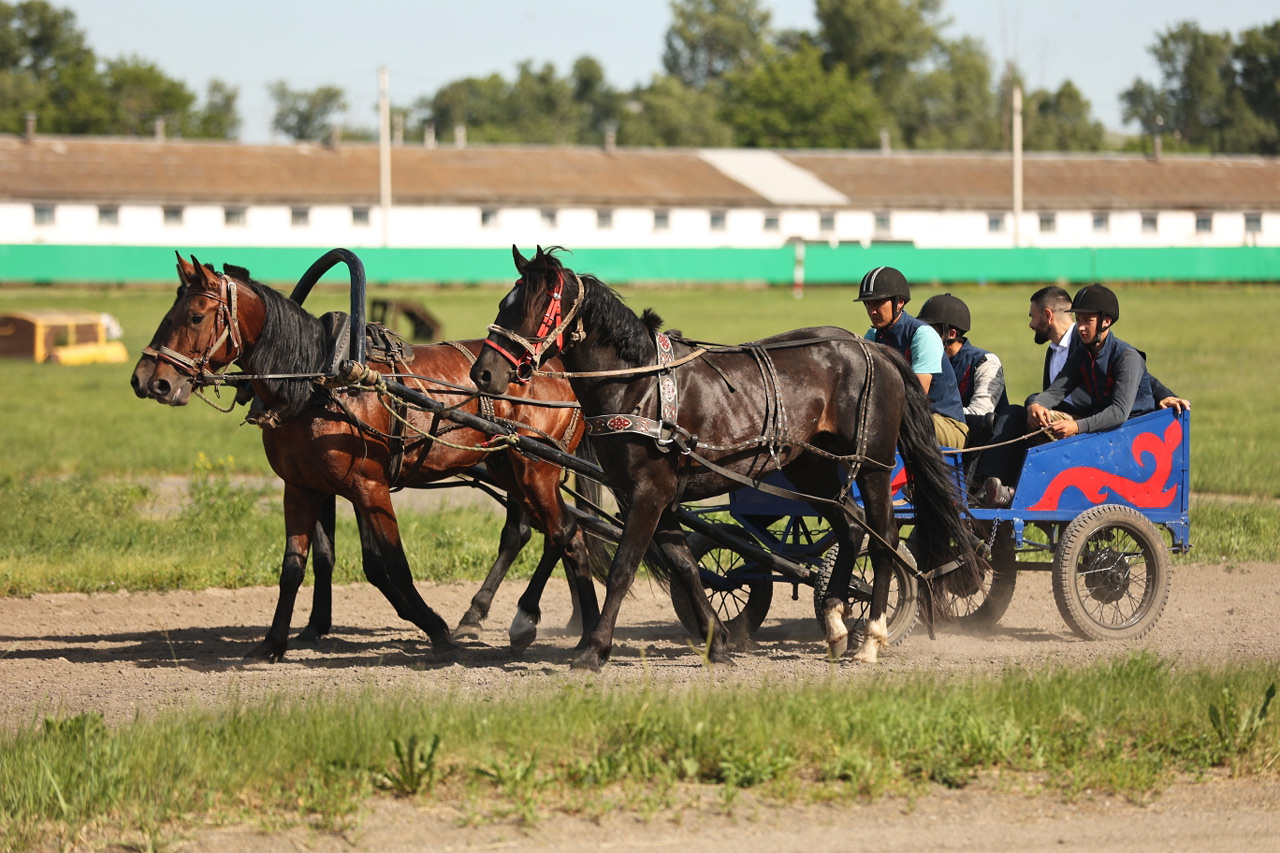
x,y
979,373
1109,379
883,292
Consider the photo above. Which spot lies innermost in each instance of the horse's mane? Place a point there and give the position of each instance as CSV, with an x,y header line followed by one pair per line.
x,y
602,310
292,341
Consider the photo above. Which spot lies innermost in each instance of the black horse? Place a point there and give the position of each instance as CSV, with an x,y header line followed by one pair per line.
x,y
809,402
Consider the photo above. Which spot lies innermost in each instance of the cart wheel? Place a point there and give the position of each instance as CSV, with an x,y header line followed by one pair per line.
x,y
903,607
978,610
741,609
1111,574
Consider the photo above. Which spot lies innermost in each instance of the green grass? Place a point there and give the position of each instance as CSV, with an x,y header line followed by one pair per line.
x,y
227,535
1128,726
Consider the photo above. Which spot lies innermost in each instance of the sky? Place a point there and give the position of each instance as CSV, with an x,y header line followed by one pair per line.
x,y
1099,45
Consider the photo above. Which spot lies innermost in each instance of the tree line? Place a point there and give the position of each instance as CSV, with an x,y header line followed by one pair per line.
x,y
871,68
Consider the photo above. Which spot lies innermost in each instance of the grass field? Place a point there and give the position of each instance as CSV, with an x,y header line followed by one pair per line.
x,y
1128,726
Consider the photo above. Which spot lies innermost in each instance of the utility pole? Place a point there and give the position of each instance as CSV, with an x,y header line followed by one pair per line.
x,y
1017,165
384,153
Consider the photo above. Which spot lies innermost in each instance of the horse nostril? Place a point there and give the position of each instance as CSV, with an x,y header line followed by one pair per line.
x,y
159,387
485,379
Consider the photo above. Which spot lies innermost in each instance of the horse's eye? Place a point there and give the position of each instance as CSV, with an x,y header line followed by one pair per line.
x,y
197,319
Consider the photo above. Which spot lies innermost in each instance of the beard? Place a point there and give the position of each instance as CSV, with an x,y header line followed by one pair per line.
x,y
1042,337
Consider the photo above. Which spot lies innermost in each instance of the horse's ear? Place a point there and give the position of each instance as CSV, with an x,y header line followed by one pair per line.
x,y
521,261
203,273
539,255
185,270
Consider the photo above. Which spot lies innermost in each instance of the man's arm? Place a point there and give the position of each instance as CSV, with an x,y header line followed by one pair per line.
x,y
1166,398
926,355
988,385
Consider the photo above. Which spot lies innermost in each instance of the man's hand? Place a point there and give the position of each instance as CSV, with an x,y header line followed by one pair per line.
x,y
1064,427
1038,417
1178,404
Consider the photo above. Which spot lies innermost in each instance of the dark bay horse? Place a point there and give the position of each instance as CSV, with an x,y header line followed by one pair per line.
x,y
812,402
335,442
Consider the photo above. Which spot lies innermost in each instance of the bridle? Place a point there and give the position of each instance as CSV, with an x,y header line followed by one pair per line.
x,y
227,315
554,322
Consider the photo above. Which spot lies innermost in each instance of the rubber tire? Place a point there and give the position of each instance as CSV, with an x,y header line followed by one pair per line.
x,y
903,610
741,617
1084,609
978,614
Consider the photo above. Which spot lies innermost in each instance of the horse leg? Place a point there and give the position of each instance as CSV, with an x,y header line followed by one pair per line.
x,y
301,509
524,628
322,562
515,535
383,532
877,503
671,539
642,519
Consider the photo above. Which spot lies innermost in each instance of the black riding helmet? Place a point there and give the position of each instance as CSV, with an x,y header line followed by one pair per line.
x,y
945,310
883,283
1097,299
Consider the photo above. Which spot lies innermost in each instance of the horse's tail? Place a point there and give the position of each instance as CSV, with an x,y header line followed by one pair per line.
x,y
941,533
602,550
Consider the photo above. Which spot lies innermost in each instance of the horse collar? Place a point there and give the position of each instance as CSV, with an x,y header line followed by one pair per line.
x,y
664,430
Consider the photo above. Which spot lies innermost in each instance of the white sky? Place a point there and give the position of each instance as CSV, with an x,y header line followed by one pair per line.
x,y
1100,45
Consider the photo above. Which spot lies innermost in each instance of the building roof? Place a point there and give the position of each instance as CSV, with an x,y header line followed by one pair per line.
x,y
111,170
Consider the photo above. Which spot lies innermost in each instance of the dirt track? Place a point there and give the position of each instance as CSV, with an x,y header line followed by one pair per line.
x,y
120,654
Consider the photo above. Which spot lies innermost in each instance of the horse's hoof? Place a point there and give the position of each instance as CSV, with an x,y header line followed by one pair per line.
x,y
310,635
869,653
267,651
442,647
724,659
467,631
588,661
524,630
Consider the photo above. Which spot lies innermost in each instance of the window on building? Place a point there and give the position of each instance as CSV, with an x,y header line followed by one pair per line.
x,y
488,217
173,216
771,222
883,222
1101,222
43,214
1149,223
995,223
1048,223
109,215
549,217
233,217
360,217
604,219
300,217
661,220
826,222
717,220
1204,223
1253,223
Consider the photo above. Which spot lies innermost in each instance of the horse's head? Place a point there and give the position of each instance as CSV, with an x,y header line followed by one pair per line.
x,y
200,335
532,322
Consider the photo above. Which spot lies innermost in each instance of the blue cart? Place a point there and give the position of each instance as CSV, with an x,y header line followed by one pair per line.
x,y
1101,511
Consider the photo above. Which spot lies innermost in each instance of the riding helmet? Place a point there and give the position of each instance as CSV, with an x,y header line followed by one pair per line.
x,y
883,283
1097,299
945,310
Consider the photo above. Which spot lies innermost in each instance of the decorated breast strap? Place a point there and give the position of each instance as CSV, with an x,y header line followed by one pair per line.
x,y
665,430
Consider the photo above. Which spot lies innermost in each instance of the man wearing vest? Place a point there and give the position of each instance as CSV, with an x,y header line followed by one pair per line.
x,y
1109,378
883,292
979,373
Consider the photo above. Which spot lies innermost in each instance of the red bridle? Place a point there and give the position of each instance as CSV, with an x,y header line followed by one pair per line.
x,y
552,327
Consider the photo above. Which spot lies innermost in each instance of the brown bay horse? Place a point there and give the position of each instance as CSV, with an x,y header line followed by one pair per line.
x,y
821,404
327,442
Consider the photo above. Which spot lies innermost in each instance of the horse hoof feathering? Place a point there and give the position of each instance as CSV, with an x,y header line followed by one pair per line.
x,y
875,639
837,633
